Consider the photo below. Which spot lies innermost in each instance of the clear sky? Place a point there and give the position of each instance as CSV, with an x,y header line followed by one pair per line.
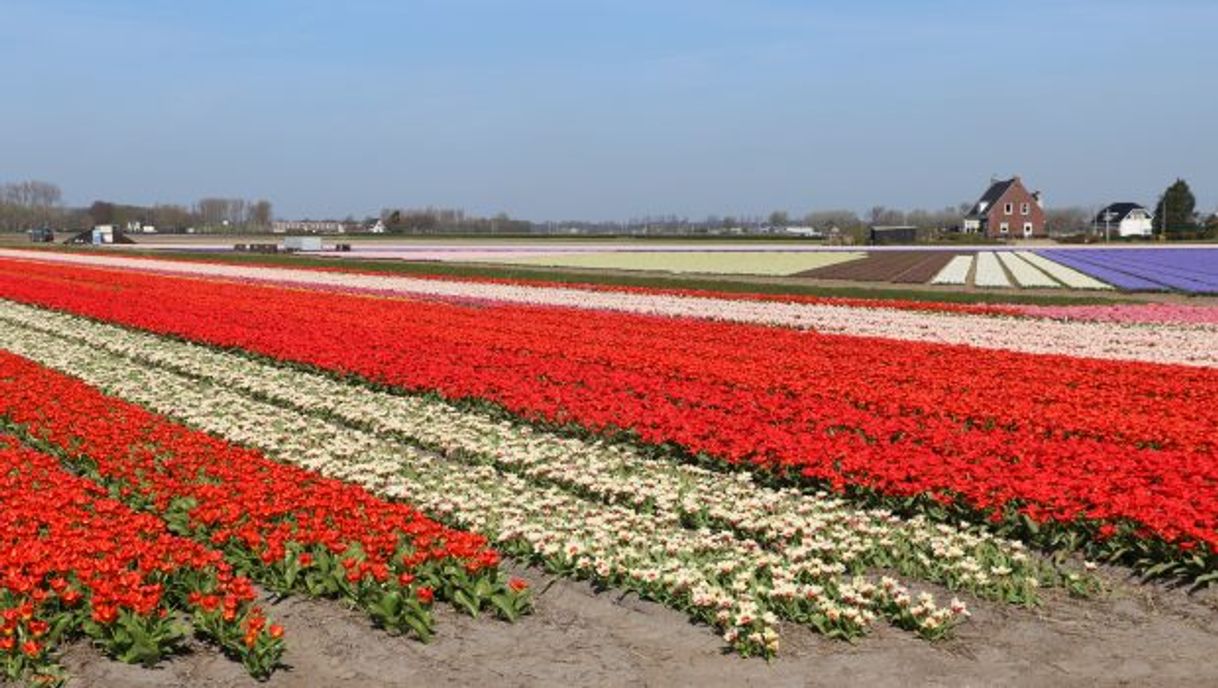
x,y
608,109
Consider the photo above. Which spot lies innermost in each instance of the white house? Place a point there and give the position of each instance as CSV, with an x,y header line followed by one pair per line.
x,y
1124,220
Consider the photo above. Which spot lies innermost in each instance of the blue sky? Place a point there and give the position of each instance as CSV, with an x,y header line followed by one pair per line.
x,y
608,109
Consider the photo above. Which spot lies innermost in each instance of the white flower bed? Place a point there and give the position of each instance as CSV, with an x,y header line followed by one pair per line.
x,y
1157,343
989,271
1025,274
1066,275
803,569
955,272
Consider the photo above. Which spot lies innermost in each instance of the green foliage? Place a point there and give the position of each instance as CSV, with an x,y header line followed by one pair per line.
x,y
1175,210
137,639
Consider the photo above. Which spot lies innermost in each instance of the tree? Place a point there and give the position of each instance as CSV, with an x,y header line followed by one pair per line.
x,y
779,218
1065,221
1175,211
31,194
825,220
170,218
933,219
260,214
212,211
29,204
102,213
881,216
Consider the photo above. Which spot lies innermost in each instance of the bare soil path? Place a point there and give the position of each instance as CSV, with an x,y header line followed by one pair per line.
x,y
1134,635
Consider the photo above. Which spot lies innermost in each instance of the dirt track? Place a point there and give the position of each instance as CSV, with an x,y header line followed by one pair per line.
x,y
898,267
1136,635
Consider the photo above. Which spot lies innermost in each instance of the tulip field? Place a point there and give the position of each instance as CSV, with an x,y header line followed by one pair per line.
x,y
183,444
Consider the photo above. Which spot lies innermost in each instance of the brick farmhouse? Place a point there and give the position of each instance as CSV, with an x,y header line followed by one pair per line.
x,y
1007,210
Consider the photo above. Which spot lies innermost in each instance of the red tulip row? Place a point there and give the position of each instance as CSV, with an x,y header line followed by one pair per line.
x,y
74,562
287,528
1121,454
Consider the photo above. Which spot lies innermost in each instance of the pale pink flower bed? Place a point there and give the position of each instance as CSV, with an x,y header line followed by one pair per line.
x,y
1129,313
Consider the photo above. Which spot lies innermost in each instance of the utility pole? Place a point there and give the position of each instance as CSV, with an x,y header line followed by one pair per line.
x,y
1163,236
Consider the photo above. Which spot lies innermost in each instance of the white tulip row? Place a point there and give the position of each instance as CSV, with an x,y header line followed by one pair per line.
x,y
1159,343
1062,273
989,271
955,272
730,581
785,519
1025,274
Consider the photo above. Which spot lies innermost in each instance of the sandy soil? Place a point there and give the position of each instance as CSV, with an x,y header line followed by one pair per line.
x,y
1134,635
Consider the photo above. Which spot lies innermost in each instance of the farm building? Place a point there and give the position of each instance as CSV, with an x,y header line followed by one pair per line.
x,y
1125,219
1007,210
894,234
100,235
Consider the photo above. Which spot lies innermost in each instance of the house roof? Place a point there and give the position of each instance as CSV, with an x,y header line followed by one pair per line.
x,y
990,197
1119,211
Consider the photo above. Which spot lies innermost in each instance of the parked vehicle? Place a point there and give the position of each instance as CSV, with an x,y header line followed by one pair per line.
x,y
42,235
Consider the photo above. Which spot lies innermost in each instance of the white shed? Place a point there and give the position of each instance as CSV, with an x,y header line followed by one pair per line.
x,y
302,243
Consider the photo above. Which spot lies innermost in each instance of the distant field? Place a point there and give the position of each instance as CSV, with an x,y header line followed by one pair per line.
x,y
1041,268
705,262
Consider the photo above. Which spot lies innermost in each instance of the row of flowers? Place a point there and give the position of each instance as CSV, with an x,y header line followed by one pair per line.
x,y
424,344
1168,313
955,272
989,272
287,528
77,563
676,493
718,575
1024,273
1120,341
1118,457
1062,273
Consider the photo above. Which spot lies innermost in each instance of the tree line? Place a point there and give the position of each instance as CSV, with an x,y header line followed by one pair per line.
x,y
36,204
450,221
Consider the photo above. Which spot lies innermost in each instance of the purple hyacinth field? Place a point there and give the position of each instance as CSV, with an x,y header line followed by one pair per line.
x,y
1192,270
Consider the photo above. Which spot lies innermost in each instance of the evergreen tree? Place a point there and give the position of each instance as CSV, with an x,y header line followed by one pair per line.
x,y
1180,204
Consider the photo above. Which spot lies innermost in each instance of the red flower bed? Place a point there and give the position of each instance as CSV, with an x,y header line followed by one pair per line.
x,y
288,528
1075,441
75,562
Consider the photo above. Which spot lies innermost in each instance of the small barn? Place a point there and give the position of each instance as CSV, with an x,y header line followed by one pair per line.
x,y
888,235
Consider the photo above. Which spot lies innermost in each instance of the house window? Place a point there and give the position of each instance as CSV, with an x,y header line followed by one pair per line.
x,y
1010,208
1024,209
1027,229
1005,228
